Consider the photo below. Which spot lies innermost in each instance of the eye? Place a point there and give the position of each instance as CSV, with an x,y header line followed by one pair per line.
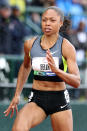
x,y
53,20
44,20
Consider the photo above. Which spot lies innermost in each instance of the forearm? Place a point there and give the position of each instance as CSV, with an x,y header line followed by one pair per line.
x,y
71,79
22,78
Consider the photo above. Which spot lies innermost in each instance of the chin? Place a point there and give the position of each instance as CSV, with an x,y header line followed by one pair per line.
x,y
47,33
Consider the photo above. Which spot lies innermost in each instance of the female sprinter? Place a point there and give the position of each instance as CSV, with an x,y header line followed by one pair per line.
x,y
48,55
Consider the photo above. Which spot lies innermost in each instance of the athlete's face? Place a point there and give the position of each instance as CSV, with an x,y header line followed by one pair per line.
x,y
51,22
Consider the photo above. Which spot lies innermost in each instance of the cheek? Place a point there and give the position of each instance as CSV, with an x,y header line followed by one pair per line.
x,y
42,25
56,27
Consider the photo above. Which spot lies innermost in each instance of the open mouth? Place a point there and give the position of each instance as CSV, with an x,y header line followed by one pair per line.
x,y
47,29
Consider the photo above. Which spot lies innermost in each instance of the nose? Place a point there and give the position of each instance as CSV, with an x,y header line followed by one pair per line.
x,y
47,22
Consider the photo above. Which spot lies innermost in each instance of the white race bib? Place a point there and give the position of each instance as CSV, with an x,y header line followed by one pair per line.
x,y
41,64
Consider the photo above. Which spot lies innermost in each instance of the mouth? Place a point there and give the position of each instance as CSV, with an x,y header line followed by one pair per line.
x,y
47,29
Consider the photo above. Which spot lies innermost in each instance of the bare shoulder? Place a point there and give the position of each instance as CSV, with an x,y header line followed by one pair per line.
x,y
68,50
28,44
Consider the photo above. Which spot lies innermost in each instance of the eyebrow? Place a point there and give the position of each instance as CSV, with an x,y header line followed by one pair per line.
x,y
48,17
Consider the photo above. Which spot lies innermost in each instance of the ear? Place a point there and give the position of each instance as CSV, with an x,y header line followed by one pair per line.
x,y
61,23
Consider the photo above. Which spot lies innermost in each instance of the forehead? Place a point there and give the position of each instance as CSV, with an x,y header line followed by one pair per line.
x,y
50,13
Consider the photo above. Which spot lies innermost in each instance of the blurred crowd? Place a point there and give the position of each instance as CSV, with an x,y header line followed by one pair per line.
x,y
12,30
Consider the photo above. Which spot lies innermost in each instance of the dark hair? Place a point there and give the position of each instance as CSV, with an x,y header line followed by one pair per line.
x,y
58,11
66,25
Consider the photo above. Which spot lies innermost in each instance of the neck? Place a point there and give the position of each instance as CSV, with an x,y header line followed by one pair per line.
x,y
49,41
51,38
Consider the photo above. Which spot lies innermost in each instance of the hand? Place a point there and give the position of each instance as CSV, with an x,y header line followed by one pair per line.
x,y
51,62
12,106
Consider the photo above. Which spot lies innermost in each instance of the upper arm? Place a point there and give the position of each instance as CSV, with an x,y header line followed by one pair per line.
x,y
27,47
69,53
26,53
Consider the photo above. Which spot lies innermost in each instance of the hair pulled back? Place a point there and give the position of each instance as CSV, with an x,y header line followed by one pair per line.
x,y
66,22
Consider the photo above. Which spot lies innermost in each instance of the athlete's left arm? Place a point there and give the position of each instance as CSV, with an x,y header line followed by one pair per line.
x,y
73,77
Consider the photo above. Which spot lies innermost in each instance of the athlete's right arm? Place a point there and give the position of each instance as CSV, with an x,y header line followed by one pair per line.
x,y
24,70
22,77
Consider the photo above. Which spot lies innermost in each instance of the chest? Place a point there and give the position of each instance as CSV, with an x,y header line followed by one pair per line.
x,y
38,56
